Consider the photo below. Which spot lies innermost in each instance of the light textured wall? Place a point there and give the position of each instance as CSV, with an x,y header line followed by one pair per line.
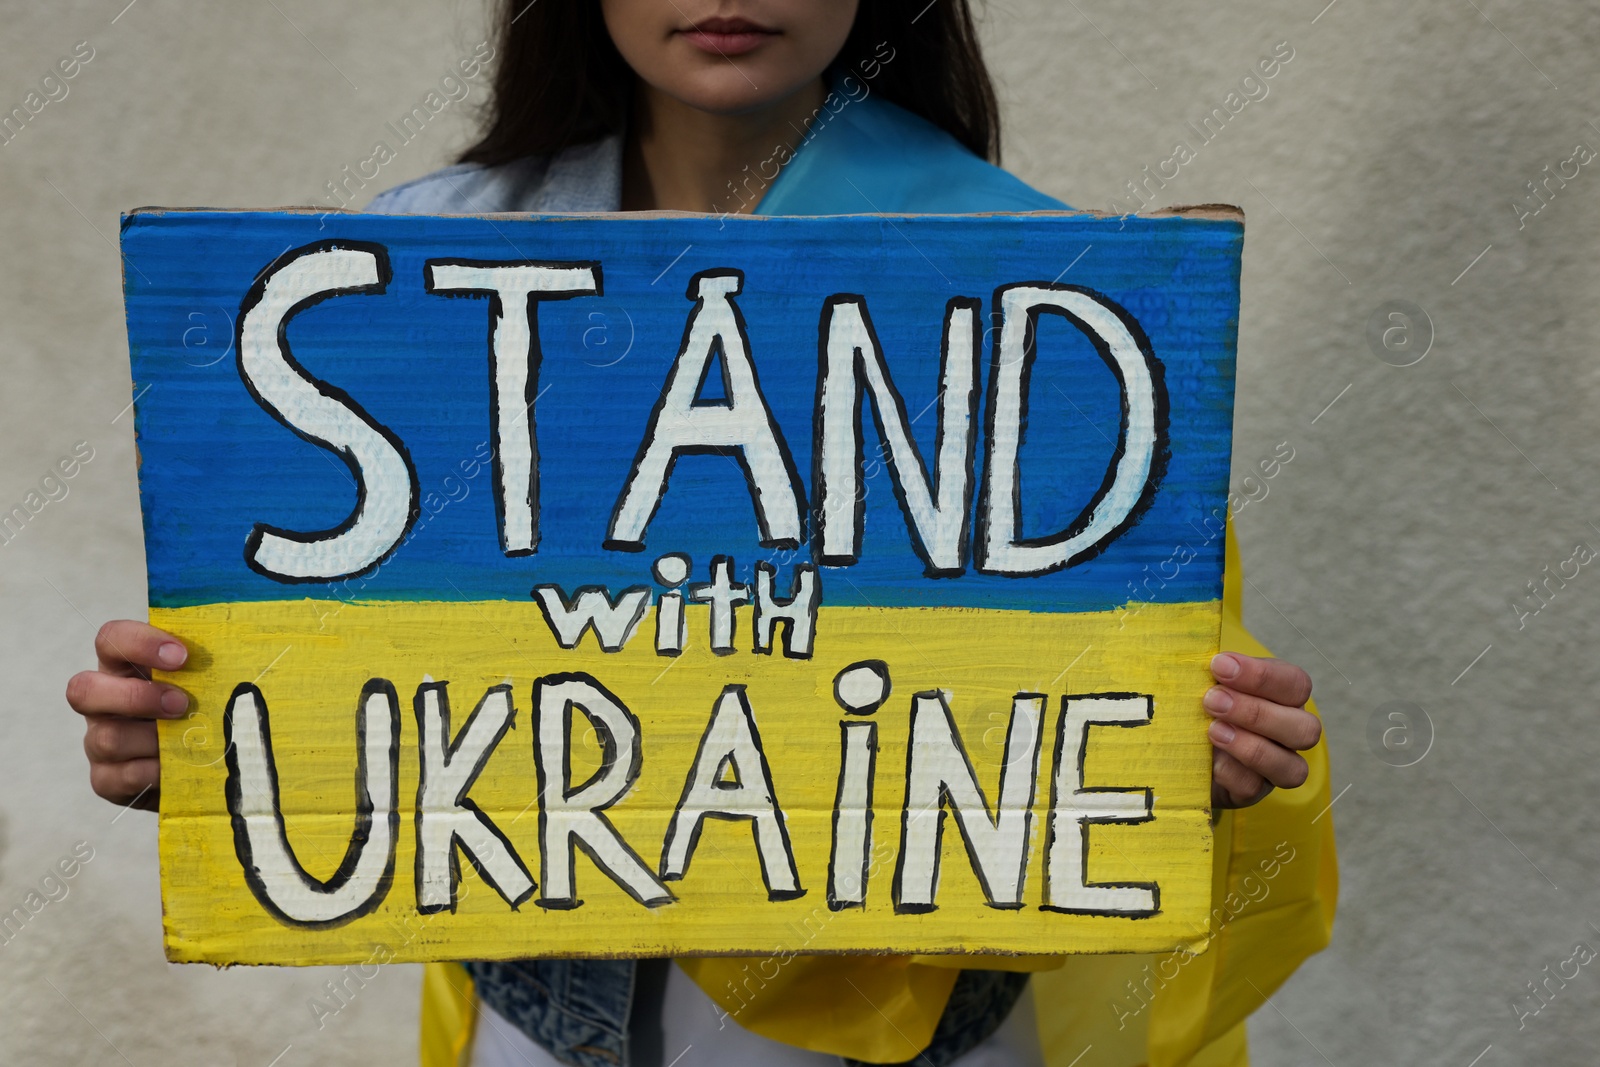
x,y
1386,557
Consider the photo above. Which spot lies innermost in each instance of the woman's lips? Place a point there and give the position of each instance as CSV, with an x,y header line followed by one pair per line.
x,y
728,37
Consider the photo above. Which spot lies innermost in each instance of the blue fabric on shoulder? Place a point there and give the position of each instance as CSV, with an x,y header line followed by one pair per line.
x,y
873,156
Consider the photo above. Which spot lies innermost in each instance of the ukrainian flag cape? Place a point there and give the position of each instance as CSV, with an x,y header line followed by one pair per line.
x,y
1275,878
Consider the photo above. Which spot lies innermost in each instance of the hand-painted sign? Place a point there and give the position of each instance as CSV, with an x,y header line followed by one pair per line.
x,y
608,585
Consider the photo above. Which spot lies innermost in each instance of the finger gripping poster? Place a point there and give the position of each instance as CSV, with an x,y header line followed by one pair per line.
x,y
674,585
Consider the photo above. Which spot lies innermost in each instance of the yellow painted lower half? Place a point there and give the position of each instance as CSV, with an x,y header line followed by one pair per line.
x,y
310,660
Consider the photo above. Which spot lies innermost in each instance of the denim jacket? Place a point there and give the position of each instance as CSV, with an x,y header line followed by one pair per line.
x,y
578,1010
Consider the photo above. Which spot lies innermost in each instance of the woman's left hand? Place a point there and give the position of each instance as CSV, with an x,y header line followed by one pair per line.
x,y
1261,728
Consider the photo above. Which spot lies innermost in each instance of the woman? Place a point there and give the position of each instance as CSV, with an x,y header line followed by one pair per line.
x,y
728,106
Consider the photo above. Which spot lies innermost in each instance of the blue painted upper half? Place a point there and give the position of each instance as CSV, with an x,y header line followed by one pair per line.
x,y
214,463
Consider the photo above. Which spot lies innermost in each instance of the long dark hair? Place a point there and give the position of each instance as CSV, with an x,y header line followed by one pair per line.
x,y
559,81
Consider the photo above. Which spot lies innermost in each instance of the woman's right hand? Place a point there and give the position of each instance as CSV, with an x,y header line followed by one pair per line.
x,y
121,705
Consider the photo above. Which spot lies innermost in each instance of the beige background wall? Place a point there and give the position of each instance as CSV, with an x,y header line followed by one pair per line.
x,y
1386,556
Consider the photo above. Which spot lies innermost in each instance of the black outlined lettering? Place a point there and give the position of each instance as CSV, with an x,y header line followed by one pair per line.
x,y
448,822
731,737
862,687
272,871
723,594
852,815
573,816
742,427
671,630
1067,886
591,608
514,290
939,775
798,613
1140,457
937,511
387,491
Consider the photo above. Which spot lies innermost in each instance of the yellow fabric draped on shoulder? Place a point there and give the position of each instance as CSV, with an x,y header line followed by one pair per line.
x,y
449,1016
1275,885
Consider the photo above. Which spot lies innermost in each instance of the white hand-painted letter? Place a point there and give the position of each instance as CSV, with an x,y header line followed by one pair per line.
x,y
1001,547
514,355
386,484
740,425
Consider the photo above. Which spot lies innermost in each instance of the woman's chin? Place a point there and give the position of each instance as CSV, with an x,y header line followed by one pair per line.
x,y
734,104
724,88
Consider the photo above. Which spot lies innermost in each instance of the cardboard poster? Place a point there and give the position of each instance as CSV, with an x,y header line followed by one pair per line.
x,y
674,585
